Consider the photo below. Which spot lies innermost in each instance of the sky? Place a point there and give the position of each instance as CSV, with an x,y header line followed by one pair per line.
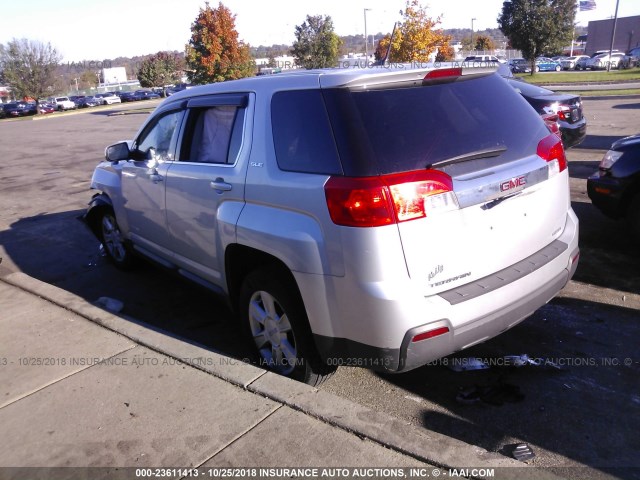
x,y
92,31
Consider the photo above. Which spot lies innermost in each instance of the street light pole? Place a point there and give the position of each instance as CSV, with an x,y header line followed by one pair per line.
x,y
613,34
472,45
366,37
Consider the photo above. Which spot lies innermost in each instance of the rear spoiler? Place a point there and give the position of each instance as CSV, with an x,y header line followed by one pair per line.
x,y
409,74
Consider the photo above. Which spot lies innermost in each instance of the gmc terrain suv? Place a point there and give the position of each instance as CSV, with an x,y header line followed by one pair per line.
x,y
381,218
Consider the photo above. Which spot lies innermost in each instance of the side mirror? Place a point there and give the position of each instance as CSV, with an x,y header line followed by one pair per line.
x,y
117,152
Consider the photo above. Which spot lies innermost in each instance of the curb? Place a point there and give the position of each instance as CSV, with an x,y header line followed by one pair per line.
x,y
427,446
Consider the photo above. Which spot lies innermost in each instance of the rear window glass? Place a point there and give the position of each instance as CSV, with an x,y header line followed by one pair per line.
x,y
302,134
401,129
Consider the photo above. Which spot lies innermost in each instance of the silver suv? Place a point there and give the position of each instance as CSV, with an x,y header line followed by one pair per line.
x,y
381,218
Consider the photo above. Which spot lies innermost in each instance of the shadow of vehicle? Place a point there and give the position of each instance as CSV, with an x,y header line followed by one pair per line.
x,y
627,106
584,411
600,142
67,255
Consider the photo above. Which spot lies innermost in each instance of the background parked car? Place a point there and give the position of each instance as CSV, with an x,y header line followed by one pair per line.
x,y
615,188
631,59
128,97
570,63
18,109
600,62
45,108
109,98
544,64
64,103
582,63
568,108
89,101
145,95
519,65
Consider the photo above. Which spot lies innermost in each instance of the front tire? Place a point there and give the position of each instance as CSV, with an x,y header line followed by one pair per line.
x,y
113,240
275,320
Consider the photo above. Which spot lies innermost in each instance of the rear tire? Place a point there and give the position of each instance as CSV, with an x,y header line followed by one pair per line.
x,y
275,321
113,241
558,68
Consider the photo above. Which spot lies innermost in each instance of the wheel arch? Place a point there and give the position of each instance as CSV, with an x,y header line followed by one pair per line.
x,y
99,202
241,260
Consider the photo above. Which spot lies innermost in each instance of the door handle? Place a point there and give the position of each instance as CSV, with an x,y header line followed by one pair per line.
x,y
220,185
155,178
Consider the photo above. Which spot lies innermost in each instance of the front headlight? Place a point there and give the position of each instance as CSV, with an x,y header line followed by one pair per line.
x,y
609,159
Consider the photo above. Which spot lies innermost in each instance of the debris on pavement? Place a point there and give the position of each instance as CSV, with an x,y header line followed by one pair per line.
x,y
110,304
497,394
520,451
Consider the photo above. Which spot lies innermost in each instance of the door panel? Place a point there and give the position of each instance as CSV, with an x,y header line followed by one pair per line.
x,y
143,181
205,189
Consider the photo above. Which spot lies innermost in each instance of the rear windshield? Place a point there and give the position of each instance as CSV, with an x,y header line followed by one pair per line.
x,y
402,129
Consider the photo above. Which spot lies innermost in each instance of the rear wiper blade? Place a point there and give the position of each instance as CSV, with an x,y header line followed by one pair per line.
x,y
487,153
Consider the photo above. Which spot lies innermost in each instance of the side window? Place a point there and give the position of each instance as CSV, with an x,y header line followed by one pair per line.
x,y
214,135
161,136
302,134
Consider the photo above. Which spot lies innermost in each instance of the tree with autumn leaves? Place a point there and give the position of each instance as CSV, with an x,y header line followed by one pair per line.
x,y
214,53
415,38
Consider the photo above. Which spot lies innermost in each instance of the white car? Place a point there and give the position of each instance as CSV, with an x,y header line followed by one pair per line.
x,y
600,62
63,103
571,62
110,98
381,219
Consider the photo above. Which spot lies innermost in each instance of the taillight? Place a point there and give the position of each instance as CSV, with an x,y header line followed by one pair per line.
x,y
564,112
443,72
388,199
550,149
551,120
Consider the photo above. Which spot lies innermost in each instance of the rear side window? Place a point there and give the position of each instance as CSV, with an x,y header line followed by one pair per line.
x,y
392,130
302,135
213,135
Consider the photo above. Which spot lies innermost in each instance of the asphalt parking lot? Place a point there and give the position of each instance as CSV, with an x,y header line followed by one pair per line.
x,y
581,420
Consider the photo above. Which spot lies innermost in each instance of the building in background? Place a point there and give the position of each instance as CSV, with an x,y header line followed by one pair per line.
x,y
627,34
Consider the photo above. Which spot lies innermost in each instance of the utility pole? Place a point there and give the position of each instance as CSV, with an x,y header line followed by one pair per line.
x,y
473,47
366,38
613,34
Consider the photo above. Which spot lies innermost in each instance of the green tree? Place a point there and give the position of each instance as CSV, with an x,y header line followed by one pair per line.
x,y
161,69
416,37
446,53
29,67
87,80
483,42
316,45
537,26
214,52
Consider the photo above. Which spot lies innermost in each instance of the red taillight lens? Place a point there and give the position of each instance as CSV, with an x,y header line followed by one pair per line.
x,y
550,149
443,72
551,119
564,112
430,334
359,202
378,201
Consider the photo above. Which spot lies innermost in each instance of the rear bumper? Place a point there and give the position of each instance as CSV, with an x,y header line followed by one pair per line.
x,y
606,193
471,320
573,133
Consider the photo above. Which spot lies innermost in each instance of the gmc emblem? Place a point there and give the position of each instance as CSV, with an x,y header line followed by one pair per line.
x,y
513,183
